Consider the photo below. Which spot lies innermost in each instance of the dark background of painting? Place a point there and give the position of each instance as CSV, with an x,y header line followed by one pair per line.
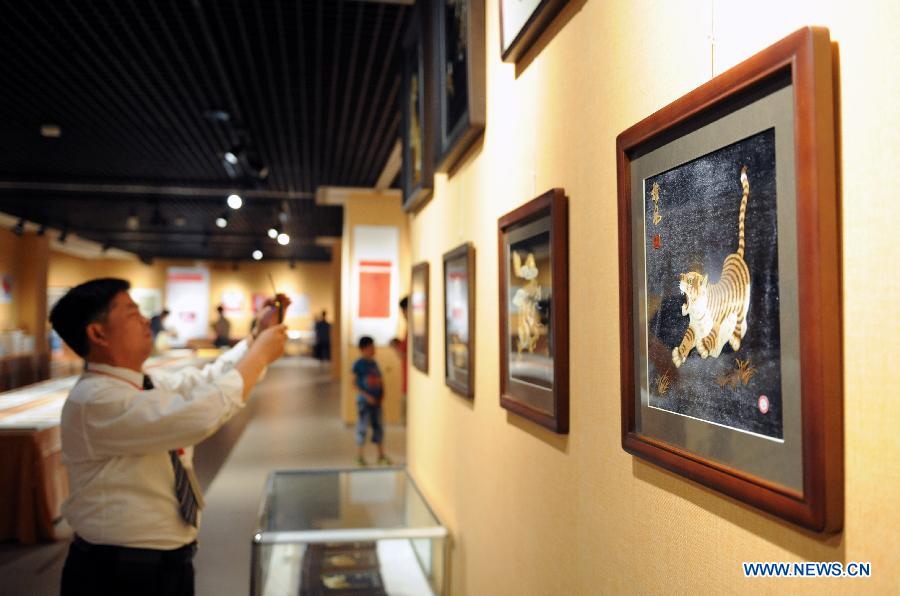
x,y
700,203
455,17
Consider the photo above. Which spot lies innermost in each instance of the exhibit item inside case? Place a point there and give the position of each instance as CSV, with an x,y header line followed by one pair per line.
x,y
341,532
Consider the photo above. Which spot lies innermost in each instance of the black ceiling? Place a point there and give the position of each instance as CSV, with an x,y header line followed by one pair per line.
x,y
150,95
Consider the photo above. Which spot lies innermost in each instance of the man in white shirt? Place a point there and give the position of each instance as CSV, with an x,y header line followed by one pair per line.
x,y
127,442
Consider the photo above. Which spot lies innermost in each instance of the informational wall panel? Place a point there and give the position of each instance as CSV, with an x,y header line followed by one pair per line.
x,y
187,297
375,282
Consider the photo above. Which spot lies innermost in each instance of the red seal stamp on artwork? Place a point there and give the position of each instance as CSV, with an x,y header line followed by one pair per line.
x,y
763,404
657,242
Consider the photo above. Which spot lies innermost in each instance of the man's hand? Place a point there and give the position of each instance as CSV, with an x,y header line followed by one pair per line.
x,y
265,349
269,312
269,344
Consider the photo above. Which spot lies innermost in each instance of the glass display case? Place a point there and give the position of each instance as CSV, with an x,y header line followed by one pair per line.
x,y
342,532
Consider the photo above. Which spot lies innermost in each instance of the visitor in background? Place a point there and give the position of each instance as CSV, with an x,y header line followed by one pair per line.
x,y
158,322
127,438
322,347
401,346
222,327
369,395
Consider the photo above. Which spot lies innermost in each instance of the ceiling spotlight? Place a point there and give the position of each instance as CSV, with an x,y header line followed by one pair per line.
x,y
180,221
283,217
51,131
234,201
221,222
273,233
19,228
231,158
216,115
257,255
132,222
283,239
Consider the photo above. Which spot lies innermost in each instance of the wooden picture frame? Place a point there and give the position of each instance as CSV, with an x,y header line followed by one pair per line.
x,y
522,23
459,76
417,122
459,319
419,306
750,153
534,350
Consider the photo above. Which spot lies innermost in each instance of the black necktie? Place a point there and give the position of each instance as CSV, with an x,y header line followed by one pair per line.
x,y
184,491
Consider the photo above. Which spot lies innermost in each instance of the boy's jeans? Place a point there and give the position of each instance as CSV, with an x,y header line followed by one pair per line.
x,y
368,414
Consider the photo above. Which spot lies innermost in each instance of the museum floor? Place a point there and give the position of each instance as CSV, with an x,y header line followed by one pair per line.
x,y
292,422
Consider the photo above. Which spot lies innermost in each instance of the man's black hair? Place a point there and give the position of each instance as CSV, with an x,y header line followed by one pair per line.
x,y
365,341
404,302
164,313
81,306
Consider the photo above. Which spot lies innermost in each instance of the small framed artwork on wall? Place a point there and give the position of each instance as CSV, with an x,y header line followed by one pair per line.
x,y
459,319
418,322
534,311
417,147
459,67
730,302
522,22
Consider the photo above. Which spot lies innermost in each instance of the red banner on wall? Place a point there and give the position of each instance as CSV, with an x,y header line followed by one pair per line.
x,y
375,289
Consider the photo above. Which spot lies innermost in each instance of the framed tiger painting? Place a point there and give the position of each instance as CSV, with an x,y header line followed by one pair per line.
x,y
533,262
730,302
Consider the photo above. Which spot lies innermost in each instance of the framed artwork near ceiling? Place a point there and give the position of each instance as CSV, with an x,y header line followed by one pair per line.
x,y
534,311
459,319
522,22
417,123
729,257
459,75
418,322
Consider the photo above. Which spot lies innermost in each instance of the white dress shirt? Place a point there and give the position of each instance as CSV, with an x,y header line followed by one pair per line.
x,y
116,439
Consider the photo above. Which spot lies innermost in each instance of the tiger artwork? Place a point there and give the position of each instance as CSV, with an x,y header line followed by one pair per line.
x,y
526,300
718,311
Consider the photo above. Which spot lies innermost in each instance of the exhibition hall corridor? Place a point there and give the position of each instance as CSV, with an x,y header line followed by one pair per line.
x,y
291,422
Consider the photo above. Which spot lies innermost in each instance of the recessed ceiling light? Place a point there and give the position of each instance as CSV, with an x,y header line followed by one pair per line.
x,y
283,239
273,233
221,222
180,221
235,202
257,255
231,158
132,222
51,131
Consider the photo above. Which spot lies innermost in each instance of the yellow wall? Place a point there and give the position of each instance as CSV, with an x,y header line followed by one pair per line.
x,y
68,271
375,210
536,513
336,327
25,259
313,279
9,265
